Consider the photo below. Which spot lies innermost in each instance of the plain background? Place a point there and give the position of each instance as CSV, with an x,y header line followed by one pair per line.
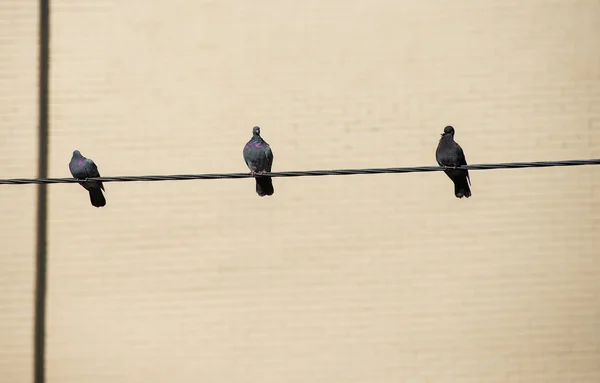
x,y
379,278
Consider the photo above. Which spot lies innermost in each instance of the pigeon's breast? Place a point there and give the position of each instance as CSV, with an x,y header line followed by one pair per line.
x,y
78,172
446,159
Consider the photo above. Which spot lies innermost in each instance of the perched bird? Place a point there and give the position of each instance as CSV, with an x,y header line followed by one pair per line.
x,y
83,168
450,154
259,158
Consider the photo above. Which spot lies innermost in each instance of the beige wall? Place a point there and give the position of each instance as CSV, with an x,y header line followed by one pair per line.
x,y
18,158
385,278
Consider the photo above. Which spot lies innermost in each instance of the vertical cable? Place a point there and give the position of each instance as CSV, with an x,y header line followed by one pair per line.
x,y
42,203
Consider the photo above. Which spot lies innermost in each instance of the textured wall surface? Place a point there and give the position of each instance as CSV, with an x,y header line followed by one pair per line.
x,y
18,158
385,278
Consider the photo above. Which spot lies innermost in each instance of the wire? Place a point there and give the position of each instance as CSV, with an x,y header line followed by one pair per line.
x,y
341,172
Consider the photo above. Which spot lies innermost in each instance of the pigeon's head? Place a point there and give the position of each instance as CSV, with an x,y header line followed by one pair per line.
x,y
256,131
76,153
448,130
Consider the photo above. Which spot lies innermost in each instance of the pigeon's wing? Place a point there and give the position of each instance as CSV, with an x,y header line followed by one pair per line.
x,y
269,155
462,160
248,155
460,155
92,170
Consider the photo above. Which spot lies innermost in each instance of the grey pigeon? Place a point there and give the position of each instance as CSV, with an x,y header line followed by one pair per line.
x,y
450,154
83,168
259,158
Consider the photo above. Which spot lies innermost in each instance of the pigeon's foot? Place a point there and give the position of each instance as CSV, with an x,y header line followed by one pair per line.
x,y
252,173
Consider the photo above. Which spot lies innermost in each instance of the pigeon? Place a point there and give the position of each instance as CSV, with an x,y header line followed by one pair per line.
x,y
450,154
83,168
259,158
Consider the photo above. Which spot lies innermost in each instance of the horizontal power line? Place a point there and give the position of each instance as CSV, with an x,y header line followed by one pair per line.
x,y
341,172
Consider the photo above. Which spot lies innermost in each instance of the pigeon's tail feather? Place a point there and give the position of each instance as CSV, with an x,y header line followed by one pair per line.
x,y
264,186
461,187
97,198
461,182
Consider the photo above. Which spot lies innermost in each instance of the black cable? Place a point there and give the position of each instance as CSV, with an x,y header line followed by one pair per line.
x,y
39,336
340,172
